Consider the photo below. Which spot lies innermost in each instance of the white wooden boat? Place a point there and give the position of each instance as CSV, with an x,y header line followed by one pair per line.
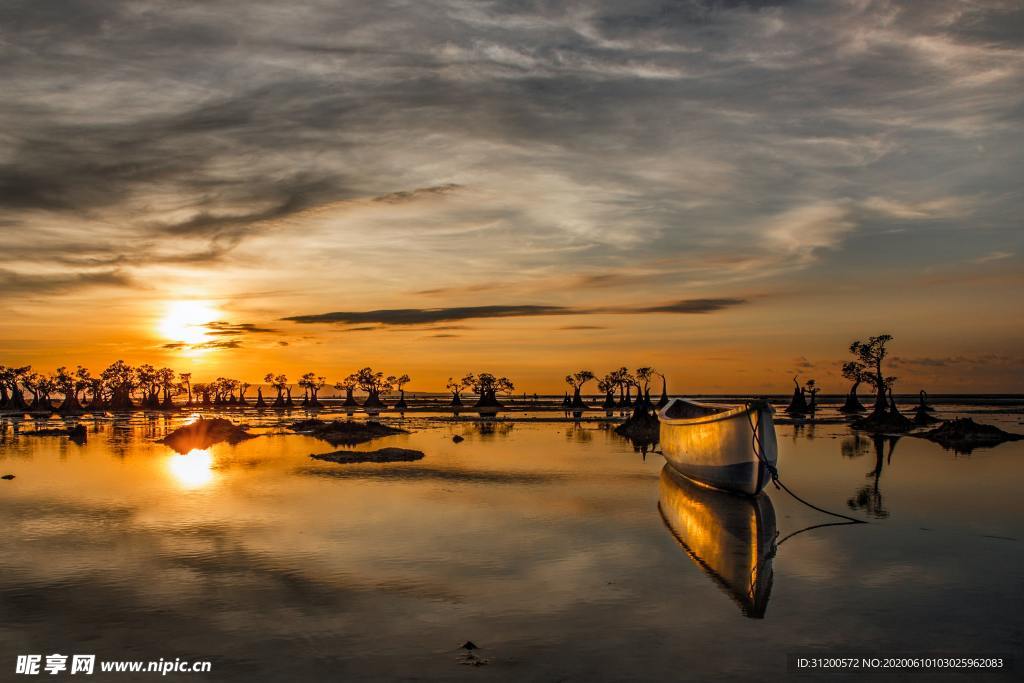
x,y
730,447
730,537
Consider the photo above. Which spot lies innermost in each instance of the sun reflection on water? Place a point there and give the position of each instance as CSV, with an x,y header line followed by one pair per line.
x,y
192,470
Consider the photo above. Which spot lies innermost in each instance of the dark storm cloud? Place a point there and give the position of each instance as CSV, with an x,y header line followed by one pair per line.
x,y
422,316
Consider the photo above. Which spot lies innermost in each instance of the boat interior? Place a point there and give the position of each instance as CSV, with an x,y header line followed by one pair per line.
x,y
685,410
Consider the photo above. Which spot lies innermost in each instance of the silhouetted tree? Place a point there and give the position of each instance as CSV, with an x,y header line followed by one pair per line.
x,y
45,385
641,379
186,383
349,384
923,413
83,382
663,401
66,382
624,382
642,424
203,389
30,381
487,387
374,384
5,374
797,404
97,397
311,384
812,389
456,388
577,380
608,384
853,371
279,383
167,384
145,382
15,381
871,354
398,383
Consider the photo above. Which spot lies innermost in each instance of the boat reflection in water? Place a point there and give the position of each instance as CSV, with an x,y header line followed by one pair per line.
x,y
730,537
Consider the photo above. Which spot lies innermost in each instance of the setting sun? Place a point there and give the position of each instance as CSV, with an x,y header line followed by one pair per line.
x,y
185,321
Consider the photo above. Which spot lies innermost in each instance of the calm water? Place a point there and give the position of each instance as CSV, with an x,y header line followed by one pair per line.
x,y
541,542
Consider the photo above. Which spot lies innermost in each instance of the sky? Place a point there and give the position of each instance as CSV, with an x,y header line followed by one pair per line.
x,y
730,192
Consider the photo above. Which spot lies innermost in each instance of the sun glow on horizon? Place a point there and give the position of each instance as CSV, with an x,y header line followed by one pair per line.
x,y
185,321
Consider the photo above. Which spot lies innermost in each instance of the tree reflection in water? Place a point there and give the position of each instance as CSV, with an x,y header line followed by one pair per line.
x,y
869,497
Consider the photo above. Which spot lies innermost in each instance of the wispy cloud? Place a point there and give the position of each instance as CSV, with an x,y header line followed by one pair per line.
x,y
16,283
993,256
424,316
223,328
208,345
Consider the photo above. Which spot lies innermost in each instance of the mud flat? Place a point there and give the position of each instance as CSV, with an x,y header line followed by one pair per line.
x,y
379,455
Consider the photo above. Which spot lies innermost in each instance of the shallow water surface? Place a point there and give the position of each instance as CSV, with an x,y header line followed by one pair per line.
x,y
558,549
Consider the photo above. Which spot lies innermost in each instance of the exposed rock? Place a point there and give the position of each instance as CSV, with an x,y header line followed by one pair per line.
x,y
8,477
379,455
963,435
641,427
77,433
458,439
470,658
339,433
204,433
885,422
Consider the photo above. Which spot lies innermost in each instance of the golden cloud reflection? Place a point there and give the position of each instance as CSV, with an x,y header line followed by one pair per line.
x,y
192,470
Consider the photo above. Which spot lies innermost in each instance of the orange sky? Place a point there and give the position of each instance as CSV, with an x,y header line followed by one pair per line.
x,y
732,198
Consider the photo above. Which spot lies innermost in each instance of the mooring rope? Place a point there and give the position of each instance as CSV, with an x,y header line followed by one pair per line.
x,y
774,472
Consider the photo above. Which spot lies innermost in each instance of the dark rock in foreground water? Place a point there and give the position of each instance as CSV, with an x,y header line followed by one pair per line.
x,y
963,435
379,455
348,433
204,433
458,439
8,477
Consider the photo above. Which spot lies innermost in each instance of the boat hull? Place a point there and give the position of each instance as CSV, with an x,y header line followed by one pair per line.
x,y
715,445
